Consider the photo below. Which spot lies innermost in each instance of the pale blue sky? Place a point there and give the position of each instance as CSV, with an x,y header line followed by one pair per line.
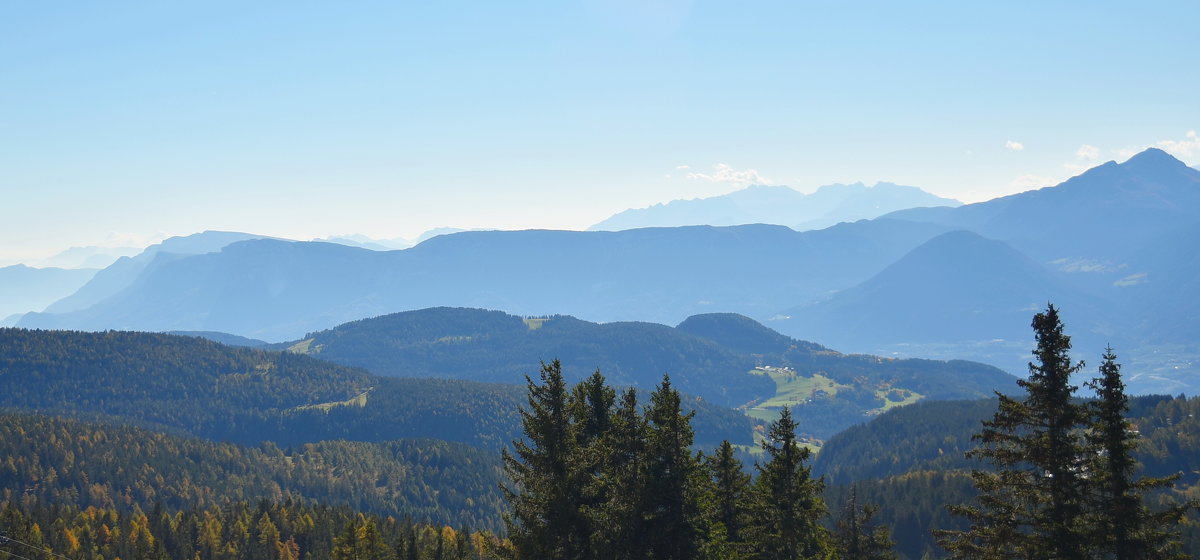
x,y
124,120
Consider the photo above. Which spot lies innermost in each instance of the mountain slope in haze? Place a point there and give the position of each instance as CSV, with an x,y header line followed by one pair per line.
x,y
276,290
1100,218
1113,244
963,296
956,288
780,205
85,257
24,288
120,274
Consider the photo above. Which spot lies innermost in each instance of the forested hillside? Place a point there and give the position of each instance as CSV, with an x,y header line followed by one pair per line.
x,y
712,356
248,396
85,464
236,531
911,462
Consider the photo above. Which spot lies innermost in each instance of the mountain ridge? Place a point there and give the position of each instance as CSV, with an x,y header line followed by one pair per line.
x,y
781,205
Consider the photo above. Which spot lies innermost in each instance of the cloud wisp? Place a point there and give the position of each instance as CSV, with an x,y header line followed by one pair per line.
x,y
725,173
1014,146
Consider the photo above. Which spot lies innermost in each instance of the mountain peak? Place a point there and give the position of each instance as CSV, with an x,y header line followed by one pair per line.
x,y
1153,158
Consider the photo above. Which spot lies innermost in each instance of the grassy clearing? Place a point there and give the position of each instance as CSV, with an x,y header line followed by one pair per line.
x,y
359,400
791,390
535,324
301,347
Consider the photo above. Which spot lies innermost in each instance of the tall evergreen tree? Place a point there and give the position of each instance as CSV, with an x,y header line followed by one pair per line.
x,y
672,472
856,538
728,503
1034,504
787,503
544,497
621,533
590,408
1124,526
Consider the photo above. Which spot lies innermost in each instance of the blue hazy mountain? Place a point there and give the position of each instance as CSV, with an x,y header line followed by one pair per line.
x,y
86,257
278,290
120,274
1112,247
24,288
957,290
762,204
1097,222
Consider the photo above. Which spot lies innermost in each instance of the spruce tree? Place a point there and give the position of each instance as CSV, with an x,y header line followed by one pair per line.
x,y
1034,504
856,538
620,533
672,472
590,409
1123,526
730,494
787,504
544,498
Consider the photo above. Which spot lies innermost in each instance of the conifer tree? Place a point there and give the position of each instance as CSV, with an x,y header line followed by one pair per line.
x,y
856,538
1123,526
728,503
787,503
671,475
545,501
620,532
590,408
1034,504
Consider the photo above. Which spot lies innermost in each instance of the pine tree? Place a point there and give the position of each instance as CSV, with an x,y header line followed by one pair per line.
x,y
544,498
1034,504
1124,526
856,538
787,503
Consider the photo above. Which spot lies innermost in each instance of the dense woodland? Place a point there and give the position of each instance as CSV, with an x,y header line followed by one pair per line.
x,y
194,386
313,452
61,461
237,531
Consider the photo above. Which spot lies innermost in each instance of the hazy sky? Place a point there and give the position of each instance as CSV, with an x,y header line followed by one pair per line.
x,y
127,122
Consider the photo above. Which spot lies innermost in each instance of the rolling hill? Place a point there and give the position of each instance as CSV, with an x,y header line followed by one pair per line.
x,y
718,357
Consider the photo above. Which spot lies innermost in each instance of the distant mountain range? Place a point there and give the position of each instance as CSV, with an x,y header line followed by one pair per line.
x,y
762,204
1112,247
24,289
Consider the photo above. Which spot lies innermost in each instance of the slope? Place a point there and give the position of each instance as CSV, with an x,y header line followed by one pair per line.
x,y
716,356
958,290
195,386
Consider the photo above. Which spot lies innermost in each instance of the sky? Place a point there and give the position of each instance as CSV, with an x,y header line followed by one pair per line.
x,y
122,123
